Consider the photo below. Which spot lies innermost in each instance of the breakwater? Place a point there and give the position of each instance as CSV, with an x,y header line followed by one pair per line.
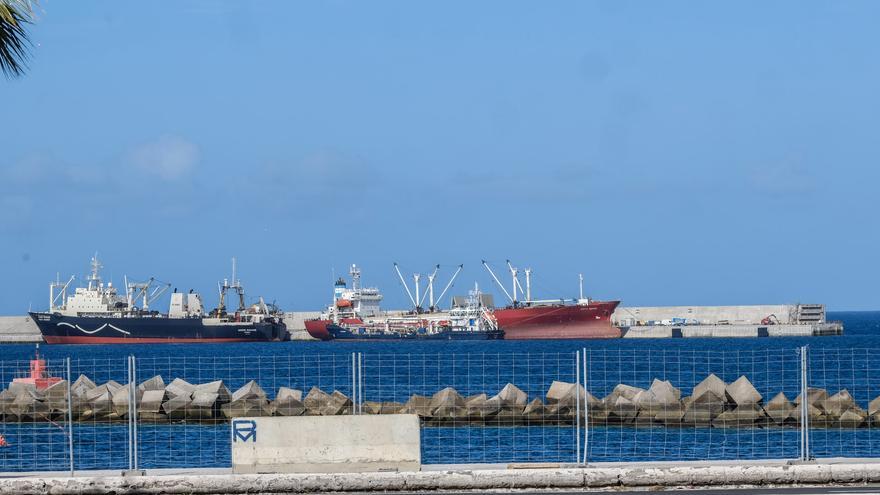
x,y
712,403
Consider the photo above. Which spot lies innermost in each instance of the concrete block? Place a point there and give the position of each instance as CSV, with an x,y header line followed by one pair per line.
x,y
175,407
179,388
288,404
353,444
622,390
746,415
154,383
670,414
874,406
512,395
82,384
742,393
665,392
534,410
481,407
219,388
259,407
339,404
815,397
285,393
18,388
250,390
782,411
94,393
391,407
119,398
448,404
27,407
838,403
852,418
97,407
371,407
149,406
818,418
710,384
660,395
55,396
315,400
702,409
623,410
418,405
204,405
561,397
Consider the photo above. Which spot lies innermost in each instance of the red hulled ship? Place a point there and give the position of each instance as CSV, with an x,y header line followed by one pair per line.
x,y
587,320
580,318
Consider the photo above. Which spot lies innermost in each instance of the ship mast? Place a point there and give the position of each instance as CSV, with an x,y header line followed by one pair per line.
x,y
53,297
95,277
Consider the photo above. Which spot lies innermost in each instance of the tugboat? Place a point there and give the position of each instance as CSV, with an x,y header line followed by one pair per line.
x,y
97,314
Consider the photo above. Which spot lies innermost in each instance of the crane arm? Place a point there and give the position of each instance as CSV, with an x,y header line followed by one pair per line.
x,y
500,285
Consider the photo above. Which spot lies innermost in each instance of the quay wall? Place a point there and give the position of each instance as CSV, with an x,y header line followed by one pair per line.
x,y
15,329
706,315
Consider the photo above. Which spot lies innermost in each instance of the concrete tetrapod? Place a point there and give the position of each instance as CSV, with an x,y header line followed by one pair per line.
x,y
288,402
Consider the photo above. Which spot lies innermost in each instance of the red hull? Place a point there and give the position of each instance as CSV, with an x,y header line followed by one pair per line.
x,y
587,321
318,328
85,339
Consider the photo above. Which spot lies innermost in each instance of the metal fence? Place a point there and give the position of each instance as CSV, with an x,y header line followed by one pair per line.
x,y
594,405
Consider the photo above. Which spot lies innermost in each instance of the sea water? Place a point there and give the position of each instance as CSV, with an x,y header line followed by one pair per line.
x,y
393,370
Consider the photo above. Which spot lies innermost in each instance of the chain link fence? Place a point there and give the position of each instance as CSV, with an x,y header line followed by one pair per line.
x,y
589,406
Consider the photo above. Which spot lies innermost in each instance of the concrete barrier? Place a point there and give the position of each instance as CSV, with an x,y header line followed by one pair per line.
x,y
684,475
326,444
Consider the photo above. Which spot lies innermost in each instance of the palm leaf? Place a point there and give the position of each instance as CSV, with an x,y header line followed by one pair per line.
x,y
14,42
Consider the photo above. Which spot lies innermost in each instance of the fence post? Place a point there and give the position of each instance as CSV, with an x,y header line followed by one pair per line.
x,y
134,408
354,390
69,417
360,377
577,405
586,408
130,428
805,406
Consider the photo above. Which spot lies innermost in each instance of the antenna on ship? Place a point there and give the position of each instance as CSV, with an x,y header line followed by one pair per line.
x,y
96,267
581,284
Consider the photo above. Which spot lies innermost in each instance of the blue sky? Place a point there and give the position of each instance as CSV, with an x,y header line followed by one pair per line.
x,y
673,152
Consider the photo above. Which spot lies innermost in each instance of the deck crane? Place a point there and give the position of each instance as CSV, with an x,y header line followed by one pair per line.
x,y
419,298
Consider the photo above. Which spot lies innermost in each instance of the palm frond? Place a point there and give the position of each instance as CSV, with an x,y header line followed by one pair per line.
x,y
14,42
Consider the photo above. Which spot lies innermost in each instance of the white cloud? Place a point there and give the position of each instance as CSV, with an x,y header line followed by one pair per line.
x,y
170,157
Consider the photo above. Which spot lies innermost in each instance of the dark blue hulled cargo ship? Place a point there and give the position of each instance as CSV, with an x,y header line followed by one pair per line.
x,y
96,314
149,329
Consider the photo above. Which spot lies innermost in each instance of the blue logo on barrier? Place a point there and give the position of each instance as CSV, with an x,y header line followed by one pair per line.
x,y
244,430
